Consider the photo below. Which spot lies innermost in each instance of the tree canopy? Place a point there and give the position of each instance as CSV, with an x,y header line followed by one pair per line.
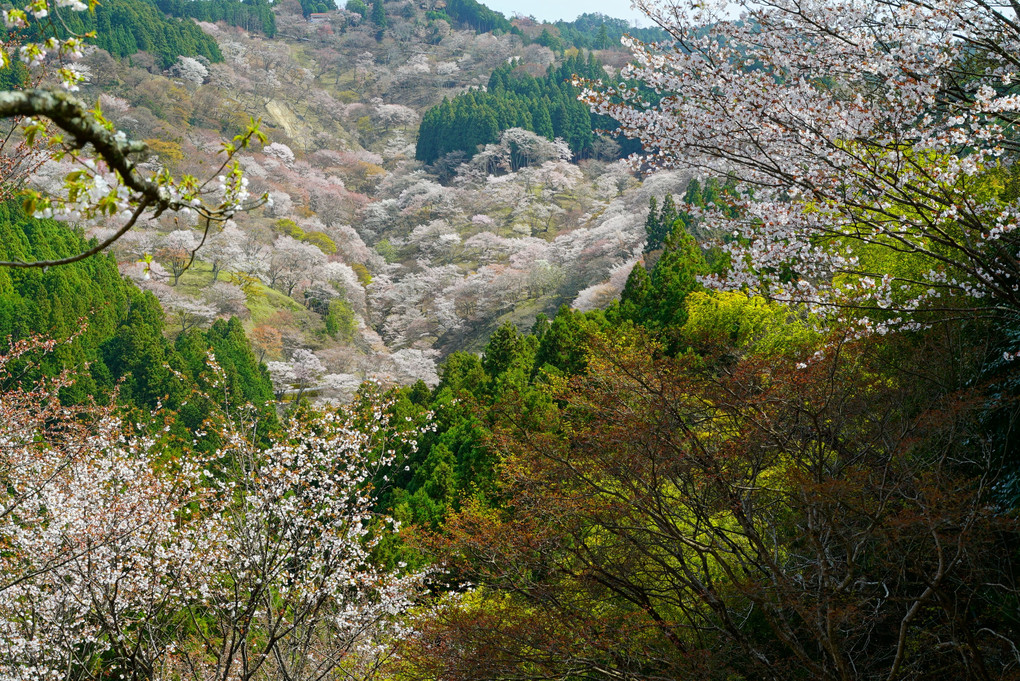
x,y
547,106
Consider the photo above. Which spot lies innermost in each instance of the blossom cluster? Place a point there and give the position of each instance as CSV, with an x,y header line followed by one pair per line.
x,y
859,133
125,557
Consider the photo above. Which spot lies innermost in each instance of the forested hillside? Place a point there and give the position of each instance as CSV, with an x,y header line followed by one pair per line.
x,y
112,332
369,263
402,340
251,15
597,31
546,106
125,27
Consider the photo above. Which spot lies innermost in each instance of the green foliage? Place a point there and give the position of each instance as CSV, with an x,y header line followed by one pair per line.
x,y
479,17
242,379
120,342
635,293
457,462
462,372
674,277
547,106
547,39
364,276
378,14
289,227
747,325
507,347
656,228
517,375
596,31
322,241
358,7
453,461
309,7
88,298
14,77
340,320
141,359
563,346
667,219
251,15
387,250
656,300
124,27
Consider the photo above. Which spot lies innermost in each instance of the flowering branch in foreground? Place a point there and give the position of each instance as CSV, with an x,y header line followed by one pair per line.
x,y
871,141
106,184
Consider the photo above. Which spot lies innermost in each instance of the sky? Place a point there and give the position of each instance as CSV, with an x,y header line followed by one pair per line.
x,y
569,10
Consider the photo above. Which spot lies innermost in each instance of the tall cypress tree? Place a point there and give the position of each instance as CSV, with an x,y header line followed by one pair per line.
x,y
378,14
654,228
542,121
693,195
668,217
634,298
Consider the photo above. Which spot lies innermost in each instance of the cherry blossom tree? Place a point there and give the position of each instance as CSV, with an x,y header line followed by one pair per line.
x,y
871,142
255,256
292,262
353,247
282,375
599,296
280,151
94,558
223,249
298,595
342,279
302,372
417,365
518,148
229,300
328,203
175,251
186,311
123,560
408,306
340,387
426,200
436,241
191,70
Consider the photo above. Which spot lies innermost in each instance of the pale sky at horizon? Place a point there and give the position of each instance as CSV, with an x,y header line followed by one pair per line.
x,y
567,10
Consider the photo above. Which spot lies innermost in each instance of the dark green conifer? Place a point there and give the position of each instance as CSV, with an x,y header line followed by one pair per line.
x,y
655,230
542,121
693,195
506,346
633,299
668,217
378,14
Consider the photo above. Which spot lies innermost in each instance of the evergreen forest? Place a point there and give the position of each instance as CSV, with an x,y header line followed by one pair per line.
x,y
547,106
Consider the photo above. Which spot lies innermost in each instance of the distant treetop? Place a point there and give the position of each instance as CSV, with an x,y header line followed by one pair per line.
x,y
596,31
